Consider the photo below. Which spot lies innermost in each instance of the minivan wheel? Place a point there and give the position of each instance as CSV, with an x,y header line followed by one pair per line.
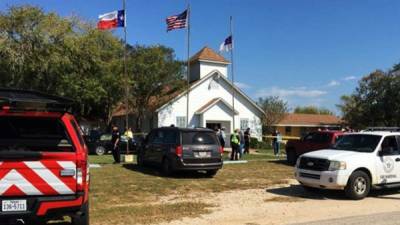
x,y
291,156
100,150
166,167
211,173
83,217
139,160
358,186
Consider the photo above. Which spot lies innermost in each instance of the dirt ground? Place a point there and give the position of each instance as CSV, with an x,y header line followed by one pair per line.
x,y
286,204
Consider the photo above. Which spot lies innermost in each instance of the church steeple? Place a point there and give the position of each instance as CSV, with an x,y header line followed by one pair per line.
x,y
205,61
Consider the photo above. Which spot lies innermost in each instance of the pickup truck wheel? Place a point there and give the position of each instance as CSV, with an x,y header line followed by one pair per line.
x,y
291,156
100,150
358,186
83,217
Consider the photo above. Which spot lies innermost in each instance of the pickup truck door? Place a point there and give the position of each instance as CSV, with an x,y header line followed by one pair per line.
x,y
388,161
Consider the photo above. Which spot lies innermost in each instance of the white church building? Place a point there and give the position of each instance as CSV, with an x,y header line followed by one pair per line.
x,y
210,99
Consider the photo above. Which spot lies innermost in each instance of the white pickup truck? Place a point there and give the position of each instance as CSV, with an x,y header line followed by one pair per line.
x,y
355,164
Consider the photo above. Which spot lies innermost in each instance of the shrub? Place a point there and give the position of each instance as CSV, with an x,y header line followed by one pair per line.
x,y
254,143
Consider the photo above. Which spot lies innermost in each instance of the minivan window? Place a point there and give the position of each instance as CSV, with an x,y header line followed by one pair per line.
x,y
159,137
33,134
170,137
199,138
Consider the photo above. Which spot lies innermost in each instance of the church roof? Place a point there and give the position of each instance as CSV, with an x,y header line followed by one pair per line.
x,y
207,54
213,102
212,74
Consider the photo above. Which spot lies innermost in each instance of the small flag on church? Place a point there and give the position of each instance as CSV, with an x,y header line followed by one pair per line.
x,y
177,21
227,45
111,20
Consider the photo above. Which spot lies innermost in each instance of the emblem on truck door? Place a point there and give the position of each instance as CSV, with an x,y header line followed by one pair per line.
x,y
388,164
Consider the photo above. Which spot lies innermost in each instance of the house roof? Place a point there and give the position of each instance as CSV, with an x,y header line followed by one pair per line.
x,y
213,102
207,54
211,74
296,119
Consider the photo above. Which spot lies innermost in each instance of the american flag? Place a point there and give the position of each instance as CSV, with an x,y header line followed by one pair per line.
x,y
177,21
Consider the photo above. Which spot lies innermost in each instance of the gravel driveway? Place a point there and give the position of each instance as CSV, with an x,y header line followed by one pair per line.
x,y
290,204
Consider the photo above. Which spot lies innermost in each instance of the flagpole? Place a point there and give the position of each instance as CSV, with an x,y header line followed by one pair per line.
x,y
127,80
233,77
188,65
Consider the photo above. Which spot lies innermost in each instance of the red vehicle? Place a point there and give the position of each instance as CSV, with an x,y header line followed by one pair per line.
x,y
44,170
311,142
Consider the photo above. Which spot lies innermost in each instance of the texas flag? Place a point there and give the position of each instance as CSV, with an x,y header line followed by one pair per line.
x,y
111,20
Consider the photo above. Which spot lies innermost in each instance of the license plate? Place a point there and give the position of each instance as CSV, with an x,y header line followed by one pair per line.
x,y
13,205
203,154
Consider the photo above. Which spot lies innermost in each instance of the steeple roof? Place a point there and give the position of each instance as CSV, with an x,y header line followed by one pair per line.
x,y
207,54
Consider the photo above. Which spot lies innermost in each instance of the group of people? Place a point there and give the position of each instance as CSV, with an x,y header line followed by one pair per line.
x,y
239,140
115,140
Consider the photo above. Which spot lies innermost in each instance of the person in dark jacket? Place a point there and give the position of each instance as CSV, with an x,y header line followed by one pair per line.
x,y
247,137
235,144
115,139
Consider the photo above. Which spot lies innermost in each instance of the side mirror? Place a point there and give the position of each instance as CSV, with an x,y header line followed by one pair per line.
x,y
381,153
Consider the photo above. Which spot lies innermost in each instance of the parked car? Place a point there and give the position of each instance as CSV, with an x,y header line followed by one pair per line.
x,y
357,163
44,163
311,142
100,144
175,149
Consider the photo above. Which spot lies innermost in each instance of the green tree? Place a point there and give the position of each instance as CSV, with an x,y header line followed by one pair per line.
x,y
274,109
62,56
375,101
312,110
155,74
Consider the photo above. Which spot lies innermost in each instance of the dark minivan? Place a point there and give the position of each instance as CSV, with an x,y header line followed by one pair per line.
x,y
174,149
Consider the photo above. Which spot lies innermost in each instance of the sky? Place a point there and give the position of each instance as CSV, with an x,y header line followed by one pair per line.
x,y
308,52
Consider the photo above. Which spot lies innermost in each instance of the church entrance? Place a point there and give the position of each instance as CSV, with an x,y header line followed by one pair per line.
x,y
214,125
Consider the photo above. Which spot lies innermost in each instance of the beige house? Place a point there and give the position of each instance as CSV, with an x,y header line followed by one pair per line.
x,y
297,125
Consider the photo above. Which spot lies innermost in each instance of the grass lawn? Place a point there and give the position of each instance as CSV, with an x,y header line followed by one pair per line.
x,y
126,194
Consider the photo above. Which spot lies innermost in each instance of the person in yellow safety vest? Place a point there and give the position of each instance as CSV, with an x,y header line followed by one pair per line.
x,y
235,144
128,133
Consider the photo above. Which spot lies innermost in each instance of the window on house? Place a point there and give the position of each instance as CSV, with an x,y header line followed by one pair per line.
x,y
288,130
181,121
244,124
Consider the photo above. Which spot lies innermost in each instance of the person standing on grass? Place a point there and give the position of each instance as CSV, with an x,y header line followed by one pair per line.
x,y
235,144
241,146
276,142
115,138
247,137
